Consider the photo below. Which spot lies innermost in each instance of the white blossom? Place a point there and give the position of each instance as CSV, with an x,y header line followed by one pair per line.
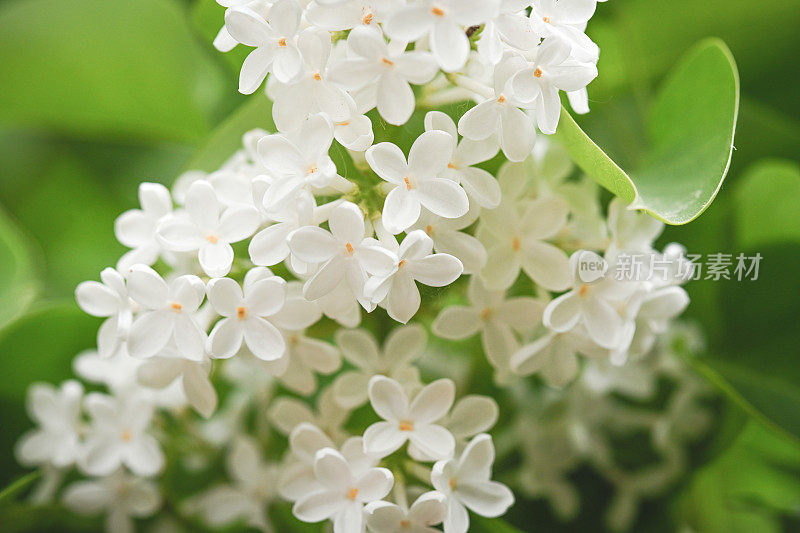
x,y
136,228
466,483
413,422
417,183
209,230
168,314
107,299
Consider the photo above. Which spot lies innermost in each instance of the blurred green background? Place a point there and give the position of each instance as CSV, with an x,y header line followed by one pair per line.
x,y
97,96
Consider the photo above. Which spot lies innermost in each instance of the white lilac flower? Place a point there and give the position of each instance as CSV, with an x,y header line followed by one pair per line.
x,y
136,228
339,15
445,22
307,356
57,413
470,415
632,231
246,317
426,511
555,356
387,67
537,85
270,246
500,115
344,492
417,263
209,230
252,487
480,185
511,27
118,435
403,345
466,483
413,422
121,496
516,239
417,183
355,131
592,304
168,313
107,299
449,239
494,316
286,413
162,370
344,252
312,91
299,161
274,41
566,21
297,477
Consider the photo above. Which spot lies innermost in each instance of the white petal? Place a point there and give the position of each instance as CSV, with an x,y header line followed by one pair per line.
x,y
199,391
149,334
189,338
457,322
263,339
443,197
359,348
327,278
318,506
225,296
401,209
480,122
463,246
547,265
404,298
388,399
522,313
503,269
481,186
226,338
146,287
408,23
433,401
404,344
517,135
388,162
603,323
435,441
97,299
395,99
472,415
238,223
255,68
450,45
563,313
347,223
265,297
312,244
430,154
384,438
437,270
374,484
332,469
487,498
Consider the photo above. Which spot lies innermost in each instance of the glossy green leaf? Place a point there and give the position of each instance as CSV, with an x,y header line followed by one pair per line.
x,y
18,284
255,112
105,69
690,131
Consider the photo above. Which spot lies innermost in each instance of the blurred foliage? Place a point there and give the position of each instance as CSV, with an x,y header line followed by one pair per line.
x,y
98,96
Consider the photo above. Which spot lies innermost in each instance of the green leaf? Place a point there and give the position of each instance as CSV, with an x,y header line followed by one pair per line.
x,y
255,112
40,346
750,487
9,494
690,130
105,69
18,284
